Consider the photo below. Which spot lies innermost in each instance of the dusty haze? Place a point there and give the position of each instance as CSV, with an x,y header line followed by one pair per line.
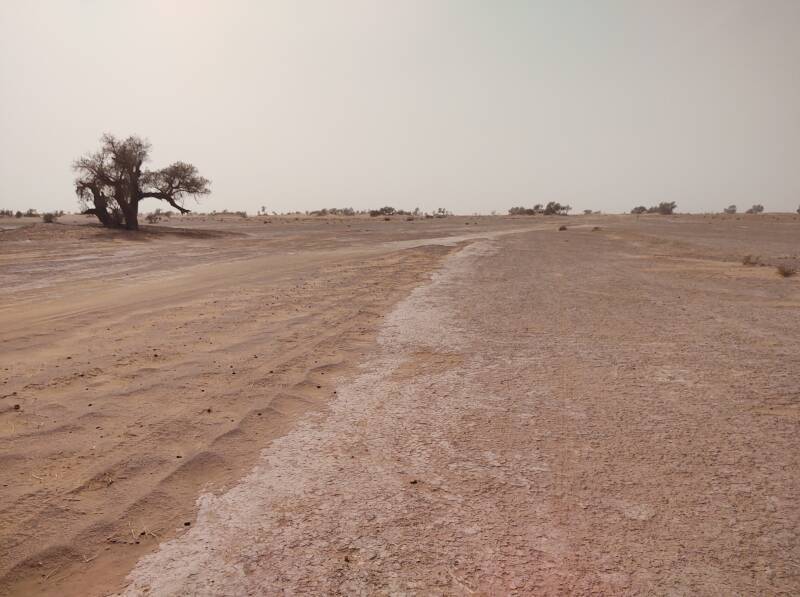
x,y
465,105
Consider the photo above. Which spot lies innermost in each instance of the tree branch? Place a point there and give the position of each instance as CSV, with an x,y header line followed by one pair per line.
x,y
164,197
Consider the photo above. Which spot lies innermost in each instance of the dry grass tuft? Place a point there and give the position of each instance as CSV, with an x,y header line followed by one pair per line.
x,y
785,270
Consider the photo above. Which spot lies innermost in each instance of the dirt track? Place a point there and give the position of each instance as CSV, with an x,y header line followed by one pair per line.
x,y
556,412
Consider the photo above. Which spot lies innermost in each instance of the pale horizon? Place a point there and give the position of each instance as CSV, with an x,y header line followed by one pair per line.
x,y
473,107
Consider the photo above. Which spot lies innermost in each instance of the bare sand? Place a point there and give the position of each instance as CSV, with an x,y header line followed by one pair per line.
x,y
466,405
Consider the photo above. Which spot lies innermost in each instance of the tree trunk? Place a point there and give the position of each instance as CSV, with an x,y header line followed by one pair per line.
x,y
131,213
101,211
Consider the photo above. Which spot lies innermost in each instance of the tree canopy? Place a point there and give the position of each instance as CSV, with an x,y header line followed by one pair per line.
x,y
111,182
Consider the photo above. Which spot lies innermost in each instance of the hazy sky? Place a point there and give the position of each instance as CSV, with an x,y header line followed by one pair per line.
x,y
472,106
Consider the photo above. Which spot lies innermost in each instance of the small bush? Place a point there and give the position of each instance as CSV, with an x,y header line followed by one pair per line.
x,y
596,229
152,218
562,227
49,218
750,260
785,270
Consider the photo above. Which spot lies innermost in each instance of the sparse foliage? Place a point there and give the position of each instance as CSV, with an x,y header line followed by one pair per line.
x,y
785,270
113,181
49,218
756,209
731,209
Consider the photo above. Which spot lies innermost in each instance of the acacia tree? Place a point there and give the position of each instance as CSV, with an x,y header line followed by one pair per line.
x,y
111,182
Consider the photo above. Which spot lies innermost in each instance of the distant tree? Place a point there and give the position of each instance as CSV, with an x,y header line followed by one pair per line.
x,y
641,209
798,210
526,211
113,182
731,209
18,214
383,211
756,209
665,208
553,208
587,212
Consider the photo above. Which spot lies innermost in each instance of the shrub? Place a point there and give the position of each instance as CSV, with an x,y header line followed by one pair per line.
x,y
562,227
731,209
750,260
639,210
756,209
6,212
49,218
786,270
31,213
153,218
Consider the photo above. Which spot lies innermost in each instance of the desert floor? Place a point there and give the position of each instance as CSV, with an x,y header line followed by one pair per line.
x,y
467,405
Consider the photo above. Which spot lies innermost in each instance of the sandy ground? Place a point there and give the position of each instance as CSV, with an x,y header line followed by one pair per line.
x,y
577,412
